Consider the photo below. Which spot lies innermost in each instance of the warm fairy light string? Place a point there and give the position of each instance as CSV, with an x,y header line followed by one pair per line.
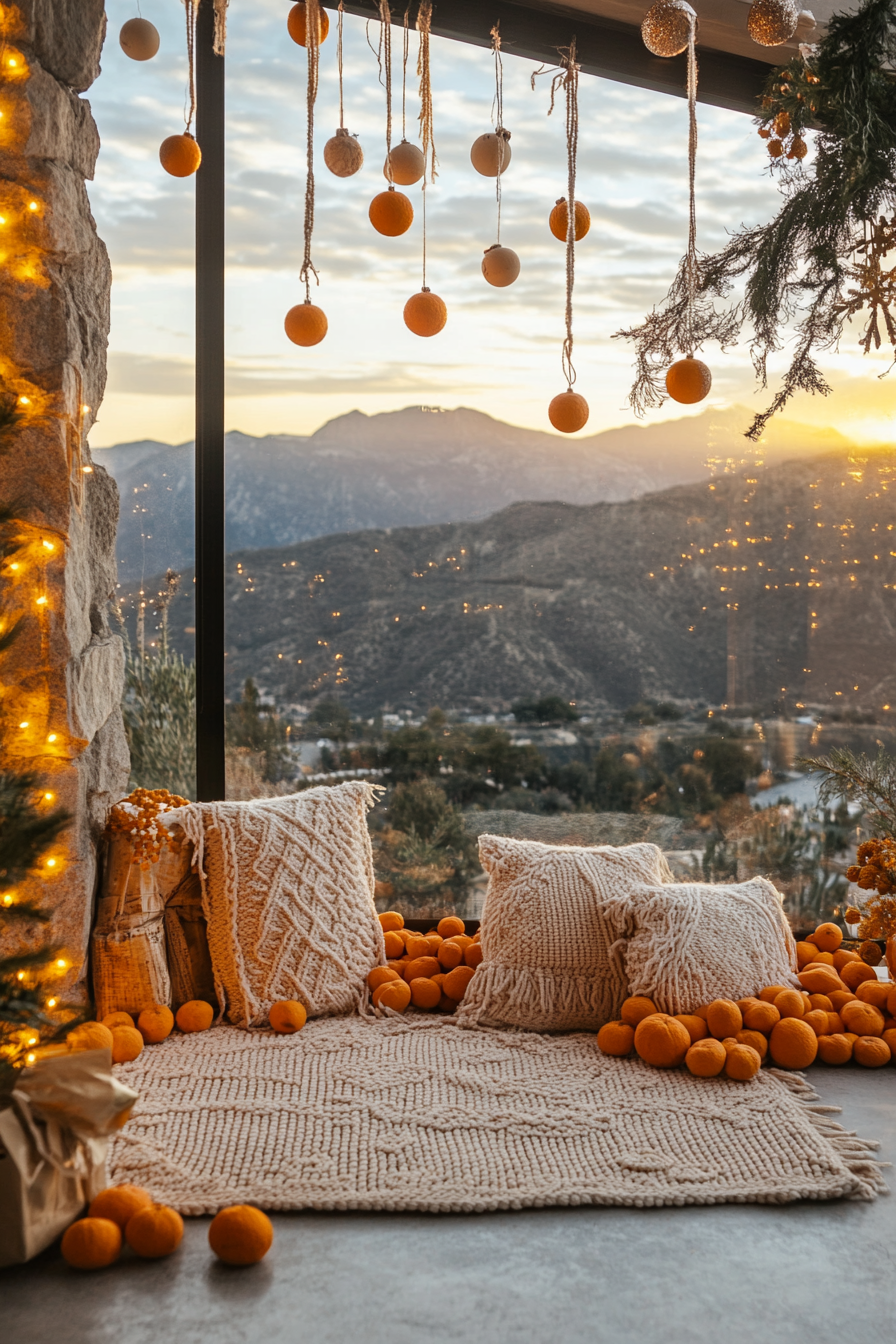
x,y
312,47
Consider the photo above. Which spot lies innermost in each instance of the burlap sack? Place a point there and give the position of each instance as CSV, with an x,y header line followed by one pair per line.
x,y
53,1147
129,964
551,917
691,942
186,933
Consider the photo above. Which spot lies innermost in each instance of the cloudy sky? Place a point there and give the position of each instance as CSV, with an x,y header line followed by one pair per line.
x,y
500,351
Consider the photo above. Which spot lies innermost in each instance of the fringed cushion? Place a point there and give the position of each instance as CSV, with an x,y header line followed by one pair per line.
x,y
287,887
692,942
552,914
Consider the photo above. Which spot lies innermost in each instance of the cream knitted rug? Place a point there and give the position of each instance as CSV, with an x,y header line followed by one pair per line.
x,y
421,1114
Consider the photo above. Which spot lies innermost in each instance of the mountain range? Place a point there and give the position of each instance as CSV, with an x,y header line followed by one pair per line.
x,y
415,467
760,583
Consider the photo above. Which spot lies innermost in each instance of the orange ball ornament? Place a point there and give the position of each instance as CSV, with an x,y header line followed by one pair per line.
x,y
568,412
180,155
306,324
425,313
500,266
343,154
407,164
490,153
139,39
688,380
296,26
559,220
391,213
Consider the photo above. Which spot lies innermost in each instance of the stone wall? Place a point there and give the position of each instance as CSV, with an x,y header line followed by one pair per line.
x,y
62,677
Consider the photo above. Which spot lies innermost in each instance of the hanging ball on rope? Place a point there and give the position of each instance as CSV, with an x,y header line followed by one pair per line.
x,y
139,39
408,164
425,313
343,154
772,22
559,220
391,213
306,324
180,155
666,27
491,152
500,265
568,412
295,22
688,380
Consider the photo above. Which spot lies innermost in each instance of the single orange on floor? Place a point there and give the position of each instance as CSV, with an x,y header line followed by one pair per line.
x,y
616,1038
793,1044
118,1020
155,1231
89,1036
636,1008
195,1015
742,1063
394,994
287,1016
661,1041
834,1048
240,1235
155,1023
706,1058
862,1018
91,1243
871,1052
119,1203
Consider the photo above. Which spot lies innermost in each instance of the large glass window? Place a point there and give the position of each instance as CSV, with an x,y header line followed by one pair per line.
x,y
640,632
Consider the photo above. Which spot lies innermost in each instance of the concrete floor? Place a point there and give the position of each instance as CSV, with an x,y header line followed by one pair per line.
x,y
813,1273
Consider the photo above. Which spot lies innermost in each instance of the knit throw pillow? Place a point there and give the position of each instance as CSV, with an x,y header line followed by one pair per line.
x,y
692,942
551,915
287,886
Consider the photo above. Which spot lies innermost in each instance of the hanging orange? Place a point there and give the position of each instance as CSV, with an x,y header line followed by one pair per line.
x,y
407,163
559,220
295,23
425,314
688,380
391,213
491,153
180,155
306,324
568,412
500,265
139,39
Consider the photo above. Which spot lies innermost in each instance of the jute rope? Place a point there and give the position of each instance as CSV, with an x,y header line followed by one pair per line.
x,y
339,66
692,265
424,28
312,47
384,61
220,26
405,50
498,115
567,78
190,7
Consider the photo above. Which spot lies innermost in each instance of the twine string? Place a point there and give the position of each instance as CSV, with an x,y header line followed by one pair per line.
x,y
312,47
692,266
339,65
384,58
424,28
405,50
190,7
498,115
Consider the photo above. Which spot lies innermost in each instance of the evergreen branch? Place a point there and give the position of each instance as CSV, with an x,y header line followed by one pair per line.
x,y
871,783
24,834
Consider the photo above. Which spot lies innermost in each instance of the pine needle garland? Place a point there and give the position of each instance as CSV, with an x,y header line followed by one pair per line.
x,y
822,260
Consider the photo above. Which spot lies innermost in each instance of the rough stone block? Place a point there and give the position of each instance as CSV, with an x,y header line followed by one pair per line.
x,y
44,120
67,37
95,683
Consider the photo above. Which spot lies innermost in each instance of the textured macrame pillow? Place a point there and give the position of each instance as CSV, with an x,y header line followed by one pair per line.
x,y
287,887
552,914
691,942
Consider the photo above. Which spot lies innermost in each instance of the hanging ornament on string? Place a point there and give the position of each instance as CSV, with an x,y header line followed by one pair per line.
x,y
568,411
773,22
425,314
689,380
342,153
500,265
297,23
666,27
306,324
139,39
490,154
390,212
405,163
180,155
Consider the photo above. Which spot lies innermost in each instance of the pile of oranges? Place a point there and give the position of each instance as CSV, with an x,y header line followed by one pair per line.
x,y
424,970
842,1012
238,1235
125,1037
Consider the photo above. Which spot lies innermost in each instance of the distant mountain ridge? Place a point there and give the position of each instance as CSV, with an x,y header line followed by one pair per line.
x,y
409,468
